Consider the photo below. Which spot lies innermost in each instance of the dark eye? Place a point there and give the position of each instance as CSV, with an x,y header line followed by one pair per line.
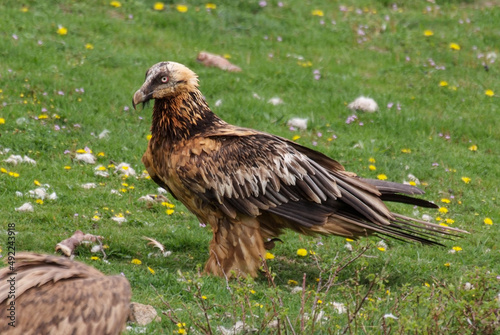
x,y
164,79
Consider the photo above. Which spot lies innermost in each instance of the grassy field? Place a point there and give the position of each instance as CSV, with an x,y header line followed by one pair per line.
x,y
68,70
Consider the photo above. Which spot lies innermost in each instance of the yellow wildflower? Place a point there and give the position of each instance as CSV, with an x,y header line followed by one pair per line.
x,y
159,6
449,221
115,4
446,200
37,183
372,167
466,180
406,151
473,147
488,221
427,284
181,8
320,301
136,261
428,33
443,210
169,211
151,270
381,248
412,183
302,252
349,240
2,120
317,12
489,93
382,176
210,6
295,138
457,248
204,297
39,201
454,46
292,282
149,137
371,160
94,258
62,30
447,264
67,167
269,255
443,83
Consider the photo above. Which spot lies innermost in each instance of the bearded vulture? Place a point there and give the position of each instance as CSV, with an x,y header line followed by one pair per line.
x,y
251,186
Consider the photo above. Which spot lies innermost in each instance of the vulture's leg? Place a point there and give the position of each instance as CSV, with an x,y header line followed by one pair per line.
x,y
237,248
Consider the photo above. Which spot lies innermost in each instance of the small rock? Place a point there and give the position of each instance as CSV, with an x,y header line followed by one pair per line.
x,y
143,314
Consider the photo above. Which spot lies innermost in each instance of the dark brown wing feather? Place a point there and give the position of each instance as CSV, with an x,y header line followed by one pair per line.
x,y
290,186
55,295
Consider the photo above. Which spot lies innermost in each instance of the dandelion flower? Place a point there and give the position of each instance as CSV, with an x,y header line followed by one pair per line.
x,y
489,93
269,255
62,30
466,180
428,33
210,6
94,258
2,120
159,6
443,83
317,12
136,261
115,4
181,8
320,301
302,252
382,176
473,147
447,264
372,167
89,46
449,221
204,297
457,248
381,248
151,270
371,160
292,282
445,200
454,46
443,210
488,221
169,211
295,138
406,151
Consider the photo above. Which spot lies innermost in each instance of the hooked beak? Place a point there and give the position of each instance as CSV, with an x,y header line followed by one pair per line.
x,y
139,97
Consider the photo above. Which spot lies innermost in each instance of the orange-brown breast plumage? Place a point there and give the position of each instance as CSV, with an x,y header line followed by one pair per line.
x,y
250,186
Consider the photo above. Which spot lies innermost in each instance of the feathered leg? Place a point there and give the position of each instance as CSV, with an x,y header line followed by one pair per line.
x,y
236,248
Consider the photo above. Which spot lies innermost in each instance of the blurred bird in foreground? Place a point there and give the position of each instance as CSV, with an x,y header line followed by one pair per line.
x,y
250,186
47,294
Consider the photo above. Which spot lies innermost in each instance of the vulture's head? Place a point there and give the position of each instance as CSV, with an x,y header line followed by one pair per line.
x,y
165,80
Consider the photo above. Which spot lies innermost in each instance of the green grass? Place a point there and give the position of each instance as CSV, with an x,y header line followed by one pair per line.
x,y
391,63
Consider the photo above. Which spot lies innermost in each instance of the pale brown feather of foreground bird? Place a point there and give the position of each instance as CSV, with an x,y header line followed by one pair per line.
x,y
57,296
250,186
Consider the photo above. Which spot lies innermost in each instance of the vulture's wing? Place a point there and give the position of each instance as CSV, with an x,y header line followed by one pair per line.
x,y
54,295
244,171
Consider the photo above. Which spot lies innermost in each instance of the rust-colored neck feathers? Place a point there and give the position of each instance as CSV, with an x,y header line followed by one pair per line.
x,y
181,117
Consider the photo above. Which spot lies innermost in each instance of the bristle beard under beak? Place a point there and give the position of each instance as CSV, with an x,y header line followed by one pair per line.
x,y
140,97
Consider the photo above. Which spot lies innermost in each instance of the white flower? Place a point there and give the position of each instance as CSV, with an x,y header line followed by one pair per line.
x,y
119,219
28,160
364,104
124,168
296,289
86,158
275,101
297,122
19,194
27,207
426,217
339,307
468,286
14,159
116,192
38,193
218,103
103,134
